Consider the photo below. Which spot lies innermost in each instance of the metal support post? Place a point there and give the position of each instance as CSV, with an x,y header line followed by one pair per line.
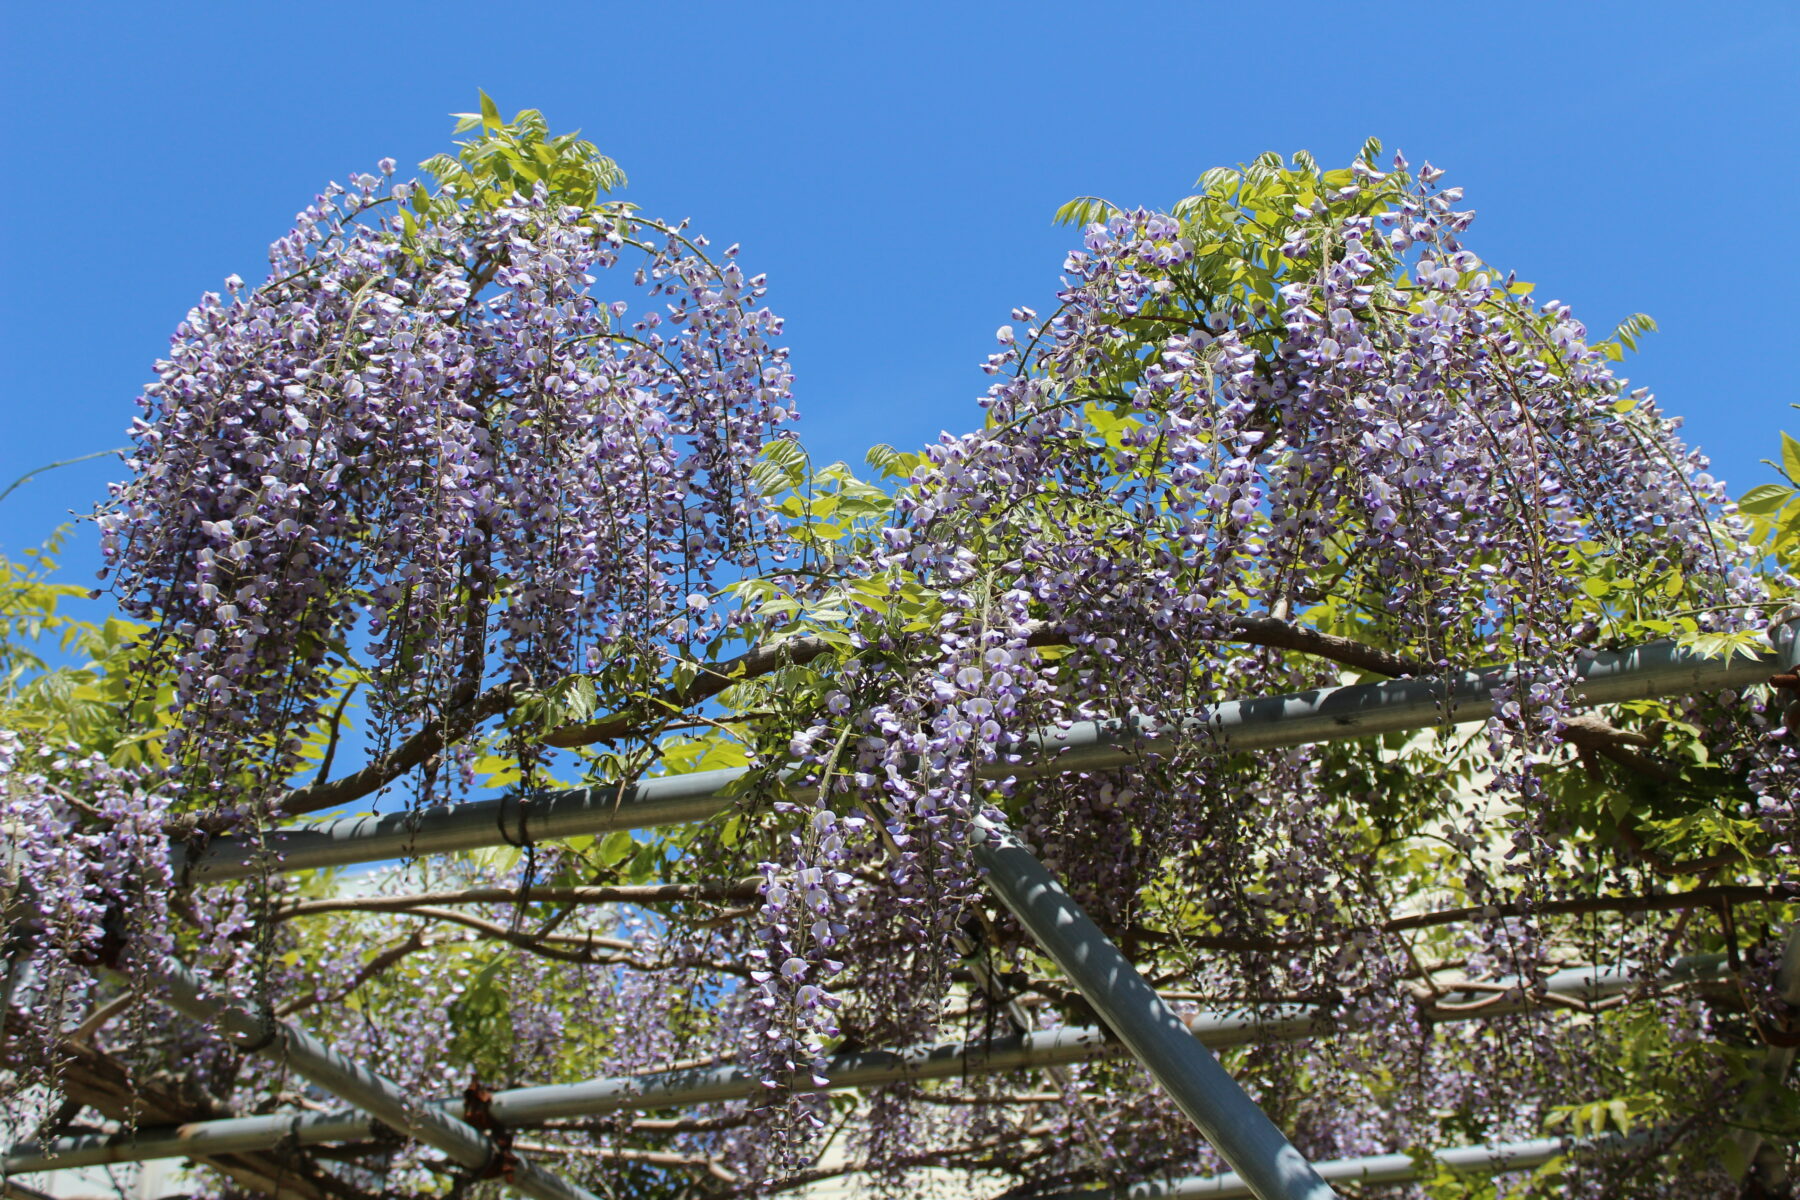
x,y
1755,1155
358,1085
1229,1119
197,1139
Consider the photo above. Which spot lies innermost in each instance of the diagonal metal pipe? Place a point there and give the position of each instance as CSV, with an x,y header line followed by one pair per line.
x,y
350,1081
1235,1125
524,1107
1324,714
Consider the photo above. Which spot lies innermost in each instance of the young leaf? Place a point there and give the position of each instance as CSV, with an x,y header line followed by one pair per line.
x,y
1632,328
1084,210
1764,498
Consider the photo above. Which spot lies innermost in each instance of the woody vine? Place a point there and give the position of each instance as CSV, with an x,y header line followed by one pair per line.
x,y
495,485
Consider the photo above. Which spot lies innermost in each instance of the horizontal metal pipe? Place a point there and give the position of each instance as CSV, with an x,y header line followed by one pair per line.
x,y
198,1139
1323,714
522,1107
947,1060
1492,1159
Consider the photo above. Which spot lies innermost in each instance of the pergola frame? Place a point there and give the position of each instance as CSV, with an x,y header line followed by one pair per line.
x,y
1266,1166
523,1108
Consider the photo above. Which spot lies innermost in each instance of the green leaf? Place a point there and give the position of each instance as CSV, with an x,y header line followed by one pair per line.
x,y
1790,522
1084,210
1632,328
1764,498
1790,457
891,463
615,848
490,112
781,466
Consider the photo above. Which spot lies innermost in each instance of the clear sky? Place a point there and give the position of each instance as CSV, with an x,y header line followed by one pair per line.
x,y
894,168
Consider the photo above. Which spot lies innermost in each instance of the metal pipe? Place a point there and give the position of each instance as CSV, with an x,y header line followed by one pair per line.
x,y
1753,1152
1323,714
1240,1131
197,1139
522,1107
1048,1048
1492,1159
381,1098
1766,1082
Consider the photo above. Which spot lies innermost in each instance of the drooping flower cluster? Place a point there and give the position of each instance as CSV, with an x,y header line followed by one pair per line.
x,y
84,886
440,437
1153,473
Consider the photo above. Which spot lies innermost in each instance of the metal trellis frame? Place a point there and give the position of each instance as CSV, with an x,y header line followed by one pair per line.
x,y
1269,1167
1240,1131
526,1107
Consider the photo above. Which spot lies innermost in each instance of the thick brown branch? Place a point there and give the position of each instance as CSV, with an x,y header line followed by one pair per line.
x,y
954,1099
1004,1154
1280,635
707,684
412,944
457,724
660,1158
654,1124
586,949
763,660
1591,734
711,680
494,929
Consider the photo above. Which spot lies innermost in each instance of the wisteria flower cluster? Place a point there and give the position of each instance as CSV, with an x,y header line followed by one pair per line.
x,y
438,437
84,887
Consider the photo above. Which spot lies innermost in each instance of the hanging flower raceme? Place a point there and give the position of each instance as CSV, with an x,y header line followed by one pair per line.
x,y
84,885
432,448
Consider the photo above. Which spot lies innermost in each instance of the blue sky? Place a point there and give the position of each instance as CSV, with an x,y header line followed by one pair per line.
x,y
894,169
